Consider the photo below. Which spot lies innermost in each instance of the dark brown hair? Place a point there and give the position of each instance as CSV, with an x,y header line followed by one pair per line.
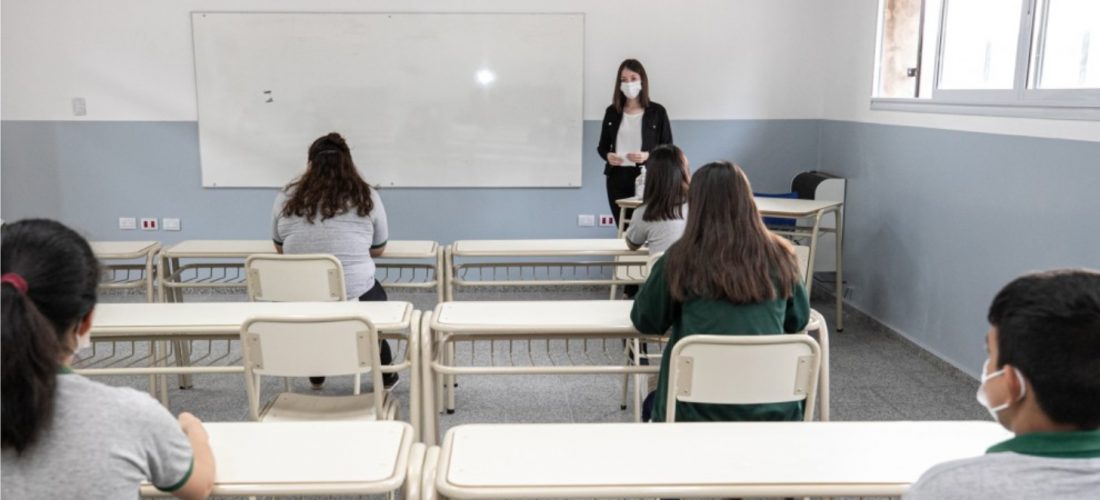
x,y
725,251
331,185
666,184
618,99
61,275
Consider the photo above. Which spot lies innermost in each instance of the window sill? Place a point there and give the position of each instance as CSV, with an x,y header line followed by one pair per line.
x,y
1037,110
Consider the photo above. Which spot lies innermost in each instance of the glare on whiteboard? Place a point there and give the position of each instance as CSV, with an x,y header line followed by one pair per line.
x,y
485,77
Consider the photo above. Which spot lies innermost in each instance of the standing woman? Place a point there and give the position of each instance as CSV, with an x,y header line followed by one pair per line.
x,y
727,275
331,209
65,436
632,126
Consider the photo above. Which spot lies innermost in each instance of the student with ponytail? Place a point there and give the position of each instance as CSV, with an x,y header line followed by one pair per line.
x,y
65,436
726,275
331,209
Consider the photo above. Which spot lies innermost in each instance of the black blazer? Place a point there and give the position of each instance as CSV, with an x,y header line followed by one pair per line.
x,y
656,130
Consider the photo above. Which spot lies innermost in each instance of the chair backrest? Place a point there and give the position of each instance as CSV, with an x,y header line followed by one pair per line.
x,y
295,278
743,369
652,260
309,347
802,252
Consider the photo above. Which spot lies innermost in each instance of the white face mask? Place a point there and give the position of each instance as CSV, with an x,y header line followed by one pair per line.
x,y
631,89
83,343
983,398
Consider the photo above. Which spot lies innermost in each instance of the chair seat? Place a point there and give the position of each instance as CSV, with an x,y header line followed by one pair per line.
x,y
290,406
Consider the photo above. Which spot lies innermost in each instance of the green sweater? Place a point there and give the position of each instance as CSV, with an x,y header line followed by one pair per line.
x,y
655,312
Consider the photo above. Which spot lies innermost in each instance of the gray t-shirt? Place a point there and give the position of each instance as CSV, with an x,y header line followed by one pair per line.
x,y
347,236
658,235
102,443
1010,476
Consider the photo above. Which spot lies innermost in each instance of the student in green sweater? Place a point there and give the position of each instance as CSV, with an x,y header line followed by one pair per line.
x,y
726,275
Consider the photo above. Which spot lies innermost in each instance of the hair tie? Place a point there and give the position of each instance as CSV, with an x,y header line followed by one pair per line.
x,y
16,281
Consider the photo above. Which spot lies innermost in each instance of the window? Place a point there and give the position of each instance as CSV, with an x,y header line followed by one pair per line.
x,y
998,54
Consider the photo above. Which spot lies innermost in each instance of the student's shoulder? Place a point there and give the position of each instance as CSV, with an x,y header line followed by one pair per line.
x,y
955,478
657,108
127,403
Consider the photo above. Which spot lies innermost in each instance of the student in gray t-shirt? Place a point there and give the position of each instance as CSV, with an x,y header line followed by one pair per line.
x,y
65,436
1041,381
330,209
659,222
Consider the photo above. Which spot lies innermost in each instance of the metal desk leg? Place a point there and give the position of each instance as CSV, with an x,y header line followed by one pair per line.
x,y
449,273
429,435
440,279
413,353
839,269
813,254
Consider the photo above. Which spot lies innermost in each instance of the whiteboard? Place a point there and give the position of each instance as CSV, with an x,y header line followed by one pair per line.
x,y
424,100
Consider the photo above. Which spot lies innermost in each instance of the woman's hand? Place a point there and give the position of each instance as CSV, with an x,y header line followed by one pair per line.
x,y
614,159
638,158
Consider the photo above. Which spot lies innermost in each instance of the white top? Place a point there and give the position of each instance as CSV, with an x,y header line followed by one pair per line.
x,y
542,248
629,138
718,459
553,316
219,248
333,457
225,318
123,249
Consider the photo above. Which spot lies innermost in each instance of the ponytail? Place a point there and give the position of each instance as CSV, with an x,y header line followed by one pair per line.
x,y
49,285
31,359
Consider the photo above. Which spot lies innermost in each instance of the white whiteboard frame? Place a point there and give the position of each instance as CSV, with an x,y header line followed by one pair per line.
x,y
240,151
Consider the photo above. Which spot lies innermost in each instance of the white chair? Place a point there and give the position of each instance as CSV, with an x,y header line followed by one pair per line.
x,y
634,356
743,369
295,278
323,346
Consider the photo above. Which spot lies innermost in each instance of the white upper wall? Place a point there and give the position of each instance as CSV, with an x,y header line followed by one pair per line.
x,y
133,59
850,43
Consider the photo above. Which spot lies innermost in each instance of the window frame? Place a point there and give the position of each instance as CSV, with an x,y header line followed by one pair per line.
x,y
1022,100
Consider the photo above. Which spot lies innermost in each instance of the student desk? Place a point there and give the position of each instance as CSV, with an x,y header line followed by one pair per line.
x,y
585,320
118,275
803,210
211,321
200,270
737,459
511,254
310,458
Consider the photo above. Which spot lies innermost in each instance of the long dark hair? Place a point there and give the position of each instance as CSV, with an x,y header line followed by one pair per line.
x,y
331,185
725,251
666,184
618,99
60,274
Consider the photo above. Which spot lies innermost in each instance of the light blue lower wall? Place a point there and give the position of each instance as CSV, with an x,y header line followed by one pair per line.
x,y
88,174
937,221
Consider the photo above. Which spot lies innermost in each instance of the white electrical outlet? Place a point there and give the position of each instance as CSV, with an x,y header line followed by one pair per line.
x,y
607,220
586,220
171,224
127,223
148,224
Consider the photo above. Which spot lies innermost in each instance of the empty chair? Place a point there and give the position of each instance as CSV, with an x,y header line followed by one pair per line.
x,y
323,346
295,278
743,369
